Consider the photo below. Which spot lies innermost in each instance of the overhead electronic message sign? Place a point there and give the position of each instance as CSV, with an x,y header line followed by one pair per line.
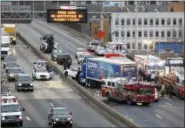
x,y
76,15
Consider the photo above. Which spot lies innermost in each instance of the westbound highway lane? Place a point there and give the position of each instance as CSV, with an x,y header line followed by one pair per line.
x,y
165,113
48,93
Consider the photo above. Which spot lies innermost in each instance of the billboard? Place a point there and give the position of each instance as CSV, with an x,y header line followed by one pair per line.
x,y
78,15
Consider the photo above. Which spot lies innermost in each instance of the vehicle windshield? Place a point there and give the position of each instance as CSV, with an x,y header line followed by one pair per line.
x,y
61,112
11,64
7,45
84,55
24,78
145,91
42,70
10,58
81,50
15,71
10,108
41,63
95,44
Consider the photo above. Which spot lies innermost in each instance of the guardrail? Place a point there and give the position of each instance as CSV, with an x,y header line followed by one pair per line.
x,y
15,8
98,105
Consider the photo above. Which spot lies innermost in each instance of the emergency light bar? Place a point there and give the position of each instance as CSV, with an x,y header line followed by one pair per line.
x,y
9,100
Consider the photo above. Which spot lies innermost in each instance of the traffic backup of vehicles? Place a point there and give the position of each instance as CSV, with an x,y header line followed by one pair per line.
x,y
11,111
42,74
120,89
9,58
59,116
23,82
149,66
96,69
10,28
47,43
11,65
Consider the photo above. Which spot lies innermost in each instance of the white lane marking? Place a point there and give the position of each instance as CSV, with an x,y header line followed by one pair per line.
x,y
158,116
51,104
169,104
28,118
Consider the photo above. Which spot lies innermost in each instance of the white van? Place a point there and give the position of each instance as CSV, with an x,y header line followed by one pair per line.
x,y
5,46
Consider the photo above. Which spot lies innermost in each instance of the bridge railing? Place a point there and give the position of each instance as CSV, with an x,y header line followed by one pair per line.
x,y
15,8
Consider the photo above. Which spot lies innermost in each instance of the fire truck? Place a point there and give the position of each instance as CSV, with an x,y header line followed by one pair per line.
x,y
149,66
176,79
120,89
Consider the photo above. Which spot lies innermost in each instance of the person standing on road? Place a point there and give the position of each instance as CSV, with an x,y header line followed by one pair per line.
x,y
162,90
170,90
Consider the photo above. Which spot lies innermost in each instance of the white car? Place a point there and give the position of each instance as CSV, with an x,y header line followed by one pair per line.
x,y
42,74
82,57
40,64
71,72
92,45
79,51
100,50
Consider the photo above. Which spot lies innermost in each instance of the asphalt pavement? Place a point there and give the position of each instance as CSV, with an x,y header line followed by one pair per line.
x,y
51,93
166,113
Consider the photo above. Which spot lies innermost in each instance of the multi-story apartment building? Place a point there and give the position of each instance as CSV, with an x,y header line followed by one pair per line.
x,y
142,30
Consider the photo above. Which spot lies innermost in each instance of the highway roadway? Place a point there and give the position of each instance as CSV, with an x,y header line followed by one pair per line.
x,y
51,93
166,113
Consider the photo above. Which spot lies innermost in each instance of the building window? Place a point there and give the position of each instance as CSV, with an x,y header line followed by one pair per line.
x,y
168,21
145,34
171,9
180,33
133,21
151,21
162,33
145,22
117,22
128,45
133,34
180,21
122,34
174,33
133,46
122,22
156,34
168,34
151,33
157,21
128,21
174,21
139,22
116,34
145,46
162,22
139,45
128,34
139,34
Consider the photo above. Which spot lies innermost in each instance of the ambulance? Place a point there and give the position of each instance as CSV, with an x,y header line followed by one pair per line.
x,y
11,111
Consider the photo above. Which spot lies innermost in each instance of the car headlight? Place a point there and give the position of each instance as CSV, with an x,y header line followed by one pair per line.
x,y
56,119
68,119
11,75
20,117
31,84
2,118
19,84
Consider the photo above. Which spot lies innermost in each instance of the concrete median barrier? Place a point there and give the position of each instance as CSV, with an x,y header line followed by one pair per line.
x,y
104,109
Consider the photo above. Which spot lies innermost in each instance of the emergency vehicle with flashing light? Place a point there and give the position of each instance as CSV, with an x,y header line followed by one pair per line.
x,y
11,111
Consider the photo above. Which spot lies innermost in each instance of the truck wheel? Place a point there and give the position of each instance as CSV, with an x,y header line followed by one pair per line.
x,y
66,74
108,97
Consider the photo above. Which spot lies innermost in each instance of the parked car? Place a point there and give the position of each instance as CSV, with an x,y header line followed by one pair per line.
x,y
100,51
79,51
92,45
55,53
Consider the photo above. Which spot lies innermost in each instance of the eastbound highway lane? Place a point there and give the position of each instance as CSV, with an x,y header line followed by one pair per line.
x,y
165,113
52,93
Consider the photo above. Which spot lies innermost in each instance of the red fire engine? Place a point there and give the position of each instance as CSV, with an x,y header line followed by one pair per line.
x,y
132,92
